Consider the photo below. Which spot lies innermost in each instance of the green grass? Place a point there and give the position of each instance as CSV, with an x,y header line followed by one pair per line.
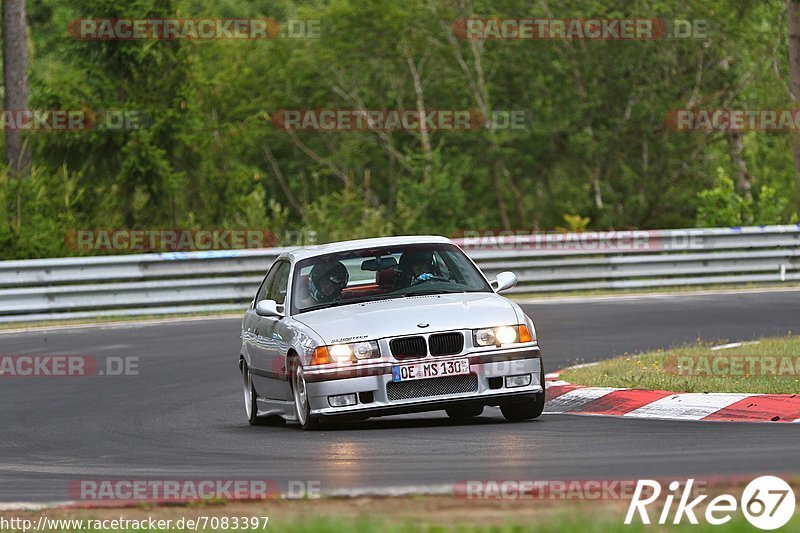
x,y
691,369
119,319
565,523
409,514
677,289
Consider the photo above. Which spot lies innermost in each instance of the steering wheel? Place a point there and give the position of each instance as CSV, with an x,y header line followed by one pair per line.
x,y
419,281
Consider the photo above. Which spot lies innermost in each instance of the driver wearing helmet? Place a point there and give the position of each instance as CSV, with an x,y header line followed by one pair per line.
x,y
325,282
416,267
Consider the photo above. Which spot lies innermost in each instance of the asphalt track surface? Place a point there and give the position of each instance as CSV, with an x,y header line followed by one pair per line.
x,y
182,416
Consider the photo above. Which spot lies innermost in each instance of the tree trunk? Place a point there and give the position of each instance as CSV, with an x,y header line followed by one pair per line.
x,y
793,9
742,177
596,190
427,149
15,77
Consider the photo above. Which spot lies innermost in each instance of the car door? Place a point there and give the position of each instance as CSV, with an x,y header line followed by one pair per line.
x,y
251,334
272,336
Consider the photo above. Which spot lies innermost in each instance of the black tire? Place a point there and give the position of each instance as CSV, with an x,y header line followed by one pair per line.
x,y
464,411
519,410
252,418
527,408
306,421
251,406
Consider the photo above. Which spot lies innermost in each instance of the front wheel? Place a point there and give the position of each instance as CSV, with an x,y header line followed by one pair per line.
x,y
527,408
300,394
519,410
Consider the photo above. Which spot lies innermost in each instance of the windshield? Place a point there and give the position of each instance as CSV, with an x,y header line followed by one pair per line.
x,y
383,273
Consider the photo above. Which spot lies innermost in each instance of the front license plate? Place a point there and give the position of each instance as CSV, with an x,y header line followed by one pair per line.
x,y
430,369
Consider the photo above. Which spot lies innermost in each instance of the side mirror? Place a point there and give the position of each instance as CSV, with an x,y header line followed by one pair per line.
x,y
268,308
504,281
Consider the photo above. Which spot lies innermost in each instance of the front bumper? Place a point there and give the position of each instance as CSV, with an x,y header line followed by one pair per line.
x,y
485,385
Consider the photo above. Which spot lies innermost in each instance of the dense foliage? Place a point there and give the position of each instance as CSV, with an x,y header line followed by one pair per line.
x,y
594,145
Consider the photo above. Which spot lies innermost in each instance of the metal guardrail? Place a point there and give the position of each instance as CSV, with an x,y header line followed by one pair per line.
x,y
153,284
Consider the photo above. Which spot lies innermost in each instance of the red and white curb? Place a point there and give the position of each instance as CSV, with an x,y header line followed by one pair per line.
x,y
567,398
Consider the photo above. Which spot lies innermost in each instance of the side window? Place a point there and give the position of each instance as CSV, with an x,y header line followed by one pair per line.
x,y
268,280
278,285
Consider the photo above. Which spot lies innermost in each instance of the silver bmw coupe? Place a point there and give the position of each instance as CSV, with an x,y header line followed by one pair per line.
x,y
386,326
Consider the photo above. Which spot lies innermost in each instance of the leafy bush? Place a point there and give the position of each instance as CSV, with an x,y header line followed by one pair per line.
x,y
344,215
722,206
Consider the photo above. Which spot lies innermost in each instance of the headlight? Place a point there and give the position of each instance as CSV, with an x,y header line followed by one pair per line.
x,y
345,353
501,335
340,352
366,350
506,335
484,337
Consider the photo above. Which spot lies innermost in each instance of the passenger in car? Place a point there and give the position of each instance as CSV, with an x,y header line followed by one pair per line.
x,y
415,267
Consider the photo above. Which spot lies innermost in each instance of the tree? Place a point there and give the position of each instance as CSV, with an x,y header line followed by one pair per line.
x,y
136,176
793,9
15,80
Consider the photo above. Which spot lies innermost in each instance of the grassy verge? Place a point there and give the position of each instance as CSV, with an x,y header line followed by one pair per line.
x,y
681,289
587,521
408,514
767,366
119,319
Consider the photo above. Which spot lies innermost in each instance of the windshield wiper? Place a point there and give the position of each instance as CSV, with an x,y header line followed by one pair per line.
x,y
429,293
354,301
349,301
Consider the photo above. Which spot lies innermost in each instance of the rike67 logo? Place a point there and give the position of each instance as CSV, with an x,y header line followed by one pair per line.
x,y
767,502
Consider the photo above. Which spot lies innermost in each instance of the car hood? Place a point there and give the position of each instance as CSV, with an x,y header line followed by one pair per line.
x,y
401,316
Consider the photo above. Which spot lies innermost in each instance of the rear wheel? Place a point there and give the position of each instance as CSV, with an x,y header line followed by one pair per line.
x,y
300,394
464,411
250,406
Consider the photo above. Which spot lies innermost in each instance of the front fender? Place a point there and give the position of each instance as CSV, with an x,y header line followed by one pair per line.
x,y
302,340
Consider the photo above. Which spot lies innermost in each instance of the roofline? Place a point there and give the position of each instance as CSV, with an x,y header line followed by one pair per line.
x,y
298,254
